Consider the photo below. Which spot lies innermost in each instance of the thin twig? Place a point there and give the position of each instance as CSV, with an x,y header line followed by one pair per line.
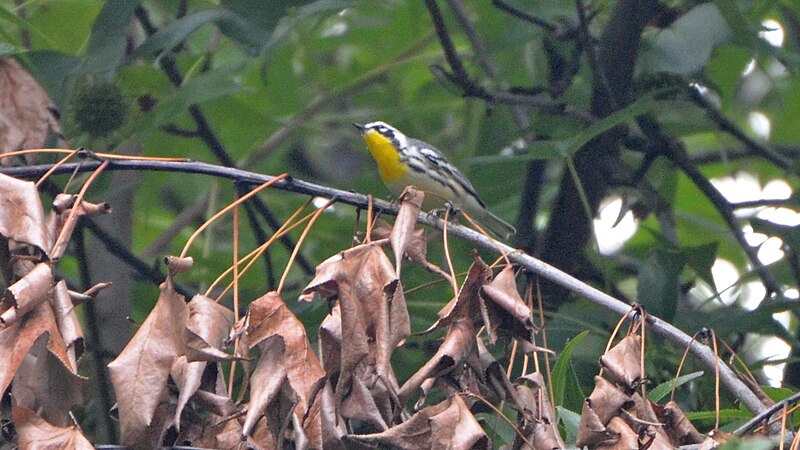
x,y
520,14
765,414
731,128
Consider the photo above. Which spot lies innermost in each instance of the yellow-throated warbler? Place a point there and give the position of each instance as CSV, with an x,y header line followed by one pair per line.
x,y
403,161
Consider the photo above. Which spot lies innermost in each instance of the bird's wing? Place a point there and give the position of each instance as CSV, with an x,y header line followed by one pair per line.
x,y
435,158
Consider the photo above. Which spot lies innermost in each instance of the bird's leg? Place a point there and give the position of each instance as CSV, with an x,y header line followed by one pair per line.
x,y
448,210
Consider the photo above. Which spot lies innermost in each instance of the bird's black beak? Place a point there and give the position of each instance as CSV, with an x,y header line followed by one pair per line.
x,y
361,128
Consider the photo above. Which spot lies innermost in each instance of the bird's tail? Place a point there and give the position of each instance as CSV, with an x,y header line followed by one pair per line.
x,y
496,225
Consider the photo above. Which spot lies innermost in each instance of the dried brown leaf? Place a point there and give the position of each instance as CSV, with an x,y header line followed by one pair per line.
x,y
505,308
225,434
381,229
536,417
27,115
446,425
677,425
466,306
624,438
642,418
187,376
494,383
330,341
607,399
266,380
403,234
600,407
374,315
34,433
269,316
360,404
68,323
623,361
17,339
458,342
27,293
457,429
219,404
592,430
139,374
207,328
331,429
413,434
21,213
44,384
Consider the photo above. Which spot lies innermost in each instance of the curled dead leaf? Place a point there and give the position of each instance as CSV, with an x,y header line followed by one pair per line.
x,y
62,225
21,214
402,234
27,115
42,383
206,330
269,316
458,342
677,425
266,381
373,312
139,374
623,361
600,407
33,432
27,293
68,323
535,419
17,339
505,309
446,425
466,305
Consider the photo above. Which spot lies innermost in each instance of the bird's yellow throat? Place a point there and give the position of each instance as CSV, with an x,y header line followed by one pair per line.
x,y
386,156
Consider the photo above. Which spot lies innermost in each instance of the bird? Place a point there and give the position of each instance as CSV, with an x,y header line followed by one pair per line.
x,y
403,161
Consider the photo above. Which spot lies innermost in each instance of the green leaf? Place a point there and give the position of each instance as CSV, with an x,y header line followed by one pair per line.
x,y
561,371
657,283
726,415
700,258
571,422
663,389
53,71
107,44
642,106
568,147
292,21
686,45
230,23
755,443
498,430
11,17
7,49
725,69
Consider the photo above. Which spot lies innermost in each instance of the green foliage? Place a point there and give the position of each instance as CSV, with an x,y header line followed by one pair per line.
x,y
564,382
278,84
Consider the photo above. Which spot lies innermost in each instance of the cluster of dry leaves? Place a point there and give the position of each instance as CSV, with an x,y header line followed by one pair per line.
x,y
344,395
